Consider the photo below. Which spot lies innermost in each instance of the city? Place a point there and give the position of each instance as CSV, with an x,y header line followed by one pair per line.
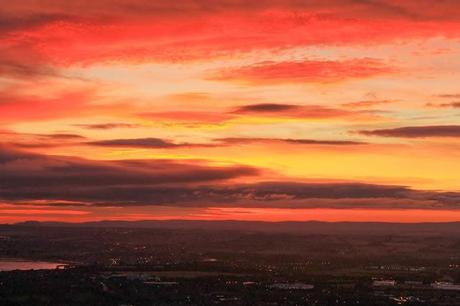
x,y
195,263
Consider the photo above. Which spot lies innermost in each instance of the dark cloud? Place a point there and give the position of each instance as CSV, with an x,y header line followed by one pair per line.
x,y
19,61
34,12
27,140
61,204
25,174
157,143
449,96
295,111
107,126
17,69
38,179
58,136
323,142
61,136
30,140
417,131
135,143
244,140
266,108
445,105
149,143
9,23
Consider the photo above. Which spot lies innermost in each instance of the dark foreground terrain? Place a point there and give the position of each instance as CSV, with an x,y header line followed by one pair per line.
x,y
238,263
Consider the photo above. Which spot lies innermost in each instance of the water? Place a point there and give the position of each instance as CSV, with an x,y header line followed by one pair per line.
x,y
8,264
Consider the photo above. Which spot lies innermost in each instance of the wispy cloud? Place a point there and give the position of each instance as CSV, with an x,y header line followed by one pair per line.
x,y
367,103
305,71
147,143
294,141
444,105
267,108
416,131
108,126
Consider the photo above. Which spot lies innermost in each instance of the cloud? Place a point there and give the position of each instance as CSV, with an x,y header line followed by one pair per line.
x,y
266,108
19,69
148,143
449,96
189,117
28,103
417,131
61,204
61,136
10,23
158,143
258,110
233,141
82,32
25,140
298,111
107,126
444,105
304,71
30,140
386,9
17,107
19,61
367,103
27,176
39,179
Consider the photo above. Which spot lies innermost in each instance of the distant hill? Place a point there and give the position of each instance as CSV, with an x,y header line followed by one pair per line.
x,y
308,227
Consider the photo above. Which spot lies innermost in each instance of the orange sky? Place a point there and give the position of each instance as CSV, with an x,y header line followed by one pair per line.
x,y
339,110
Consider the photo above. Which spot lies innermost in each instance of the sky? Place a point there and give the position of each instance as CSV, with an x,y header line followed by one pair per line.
x,y
268,110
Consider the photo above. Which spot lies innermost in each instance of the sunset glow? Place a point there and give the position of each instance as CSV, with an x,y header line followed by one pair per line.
x,y
270,110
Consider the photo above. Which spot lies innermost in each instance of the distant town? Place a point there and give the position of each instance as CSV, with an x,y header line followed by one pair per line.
x,y
240,264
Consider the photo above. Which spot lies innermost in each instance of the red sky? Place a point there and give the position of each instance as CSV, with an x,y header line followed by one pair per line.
x,y
341,110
